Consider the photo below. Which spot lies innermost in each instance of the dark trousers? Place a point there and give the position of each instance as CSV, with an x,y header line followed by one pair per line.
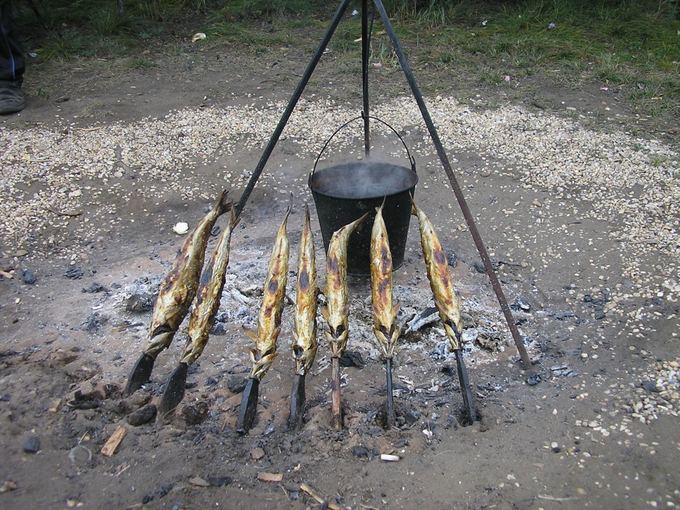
x,y
11,56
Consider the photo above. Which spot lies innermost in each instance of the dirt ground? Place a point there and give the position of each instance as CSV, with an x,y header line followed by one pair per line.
x,y
575,198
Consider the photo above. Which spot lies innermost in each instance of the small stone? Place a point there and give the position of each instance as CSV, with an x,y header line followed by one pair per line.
x,y
236,383
8,485
199,482
139,302
651,386
180,228
533,379
73,273
32,445
139,398
219,329
352,359
195,413
256,453
520,304
94,288
361,452
219,481
142,415
555,447
28,277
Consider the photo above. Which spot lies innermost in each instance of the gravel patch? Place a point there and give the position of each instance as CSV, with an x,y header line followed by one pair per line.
x,y
64,182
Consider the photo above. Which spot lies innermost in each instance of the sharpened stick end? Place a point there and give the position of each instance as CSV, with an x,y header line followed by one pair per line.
x,y
248,409
297,402
174,390
140,374
336,399
468,398
391,417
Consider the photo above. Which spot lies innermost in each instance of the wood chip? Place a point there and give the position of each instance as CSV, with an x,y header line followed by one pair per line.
x,y
7,275
56,405
256,453
114,440
8,485
389,458
199,482
269,477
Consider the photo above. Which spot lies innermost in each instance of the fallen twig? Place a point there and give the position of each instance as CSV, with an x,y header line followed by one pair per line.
x,y
555,498
317,497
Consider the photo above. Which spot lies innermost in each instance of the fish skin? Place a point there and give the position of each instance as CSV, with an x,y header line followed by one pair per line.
x,y
269,318
441,283
337,293
208,296
306,294
179,287
384,310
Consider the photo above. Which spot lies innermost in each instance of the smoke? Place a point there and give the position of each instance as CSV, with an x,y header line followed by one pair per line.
x,y
363,179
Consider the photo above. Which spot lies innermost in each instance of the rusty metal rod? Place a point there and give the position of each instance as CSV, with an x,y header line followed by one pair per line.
x,y
289,109
365,48
502,301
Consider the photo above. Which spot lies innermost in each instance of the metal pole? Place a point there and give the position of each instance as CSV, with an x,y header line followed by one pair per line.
x,y
365,49
455,186
289,109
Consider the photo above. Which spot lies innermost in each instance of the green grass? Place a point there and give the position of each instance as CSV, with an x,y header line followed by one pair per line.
x,y
630,45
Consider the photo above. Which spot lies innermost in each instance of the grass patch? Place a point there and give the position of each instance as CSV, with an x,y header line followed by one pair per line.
x,y
631,45
634,45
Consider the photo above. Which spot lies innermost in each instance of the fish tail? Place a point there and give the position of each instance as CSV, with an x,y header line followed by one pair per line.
x,y
414,207
223,204
233,219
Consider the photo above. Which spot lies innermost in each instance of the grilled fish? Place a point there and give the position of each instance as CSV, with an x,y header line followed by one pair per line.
x,y
445,298
337,294
306,293
269,319
178,289
384,310
208,296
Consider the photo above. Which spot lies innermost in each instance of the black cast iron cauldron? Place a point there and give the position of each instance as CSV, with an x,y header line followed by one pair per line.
x,y
344,192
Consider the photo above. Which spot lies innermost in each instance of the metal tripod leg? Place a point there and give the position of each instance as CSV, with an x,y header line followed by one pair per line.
x,y
454,185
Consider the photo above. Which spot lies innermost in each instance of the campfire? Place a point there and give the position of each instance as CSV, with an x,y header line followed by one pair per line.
x,y
364,212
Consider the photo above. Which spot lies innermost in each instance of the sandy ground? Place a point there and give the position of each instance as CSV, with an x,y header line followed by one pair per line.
x,y
577,208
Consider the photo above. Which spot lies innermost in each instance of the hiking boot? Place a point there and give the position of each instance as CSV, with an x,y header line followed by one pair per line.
x,y
12,98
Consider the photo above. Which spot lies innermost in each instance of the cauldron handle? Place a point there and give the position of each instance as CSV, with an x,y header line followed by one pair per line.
x,y
410,158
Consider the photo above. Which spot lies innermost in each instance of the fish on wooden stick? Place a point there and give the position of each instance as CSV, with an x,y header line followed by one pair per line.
x,y
446,301
385,310
268,327
175,295
304,332
202,318
336,311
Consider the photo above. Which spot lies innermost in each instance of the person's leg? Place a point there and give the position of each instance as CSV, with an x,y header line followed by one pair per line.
x,y
11,64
